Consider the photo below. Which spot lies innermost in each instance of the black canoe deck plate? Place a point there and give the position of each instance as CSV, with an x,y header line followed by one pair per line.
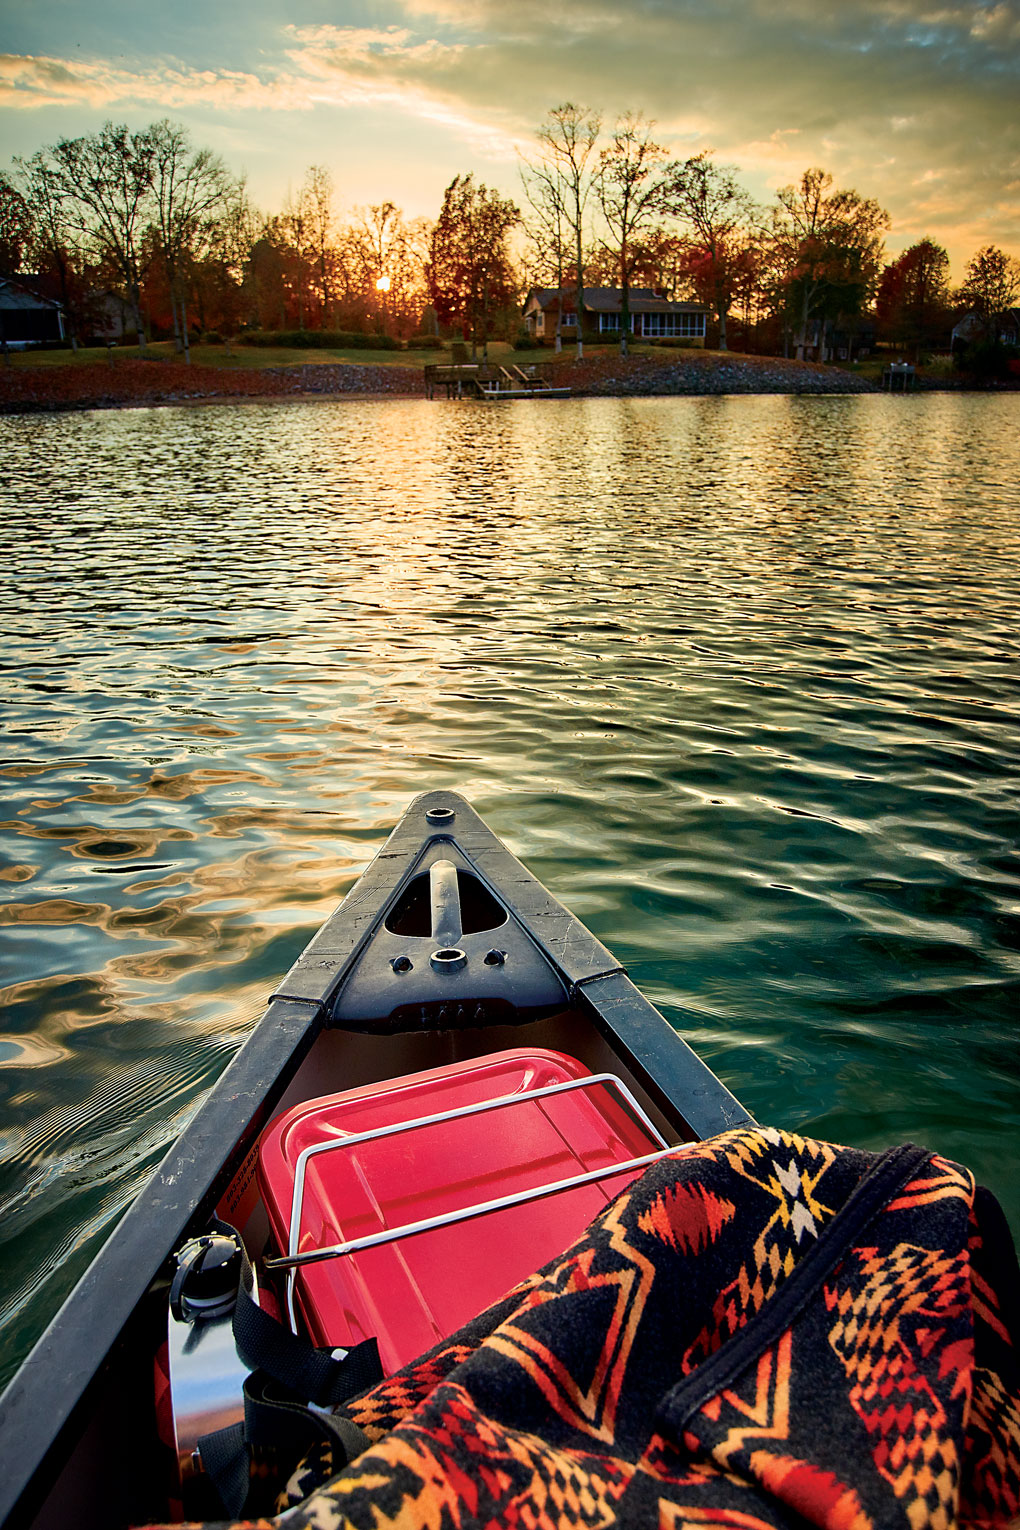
x,y
413,847
446,954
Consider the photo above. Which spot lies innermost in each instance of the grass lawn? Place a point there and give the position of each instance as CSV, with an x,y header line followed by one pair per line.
x,y
242,356
248,357
933,368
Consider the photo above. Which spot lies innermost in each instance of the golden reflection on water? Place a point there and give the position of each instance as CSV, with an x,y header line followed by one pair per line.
x,y
735,676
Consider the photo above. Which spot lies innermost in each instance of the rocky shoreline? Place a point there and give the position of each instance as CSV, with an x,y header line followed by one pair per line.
x,y
131,382
140,383
704,372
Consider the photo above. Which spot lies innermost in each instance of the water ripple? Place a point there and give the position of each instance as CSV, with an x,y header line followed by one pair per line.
x,y
736,677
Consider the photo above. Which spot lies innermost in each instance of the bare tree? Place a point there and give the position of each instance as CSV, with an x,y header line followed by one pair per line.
x,y
42,188
568,141
316,199
379,228
15,233
410,287
190,189
15,227
546,229
295,224
707,198
226,261
381,259
829,248
374,250
105,183
630,194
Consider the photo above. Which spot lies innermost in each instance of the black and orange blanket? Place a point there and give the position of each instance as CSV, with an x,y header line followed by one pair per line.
x,y
762,1331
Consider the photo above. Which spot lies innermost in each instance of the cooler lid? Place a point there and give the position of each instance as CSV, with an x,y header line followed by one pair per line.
x,y
322,1188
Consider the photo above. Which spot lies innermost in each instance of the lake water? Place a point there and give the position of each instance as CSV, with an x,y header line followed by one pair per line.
x,y
736,677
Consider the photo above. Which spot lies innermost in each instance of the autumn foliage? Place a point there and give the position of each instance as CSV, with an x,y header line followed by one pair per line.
x,y
141,235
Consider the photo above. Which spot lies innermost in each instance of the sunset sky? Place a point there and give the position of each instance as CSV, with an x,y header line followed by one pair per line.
x,y
913,102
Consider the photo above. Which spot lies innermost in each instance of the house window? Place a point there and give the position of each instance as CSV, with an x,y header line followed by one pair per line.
x,y
608,321
682,325
568,321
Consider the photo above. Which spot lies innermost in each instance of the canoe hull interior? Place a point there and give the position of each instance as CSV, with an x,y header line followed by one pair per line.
x,y
81,1443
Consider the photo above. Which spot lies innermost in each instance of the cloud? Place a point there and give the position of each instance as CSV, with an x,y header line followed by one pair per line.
x,y
27,82
909,101
366,49
341,65
345,67
389,68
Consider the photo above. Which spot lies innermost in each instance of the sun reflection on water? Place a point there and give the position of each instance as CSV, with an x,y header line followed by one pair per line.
x,y
736,677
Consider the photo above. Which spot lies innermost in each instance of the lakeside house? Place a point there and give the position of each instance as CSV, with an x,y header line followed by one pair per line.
x,y
652,316
1007,327
111,317
27,319
844,340
1003,327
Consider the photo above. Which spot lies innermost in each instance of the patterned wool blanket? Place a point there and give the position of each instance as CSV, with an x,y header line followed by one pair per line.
x,y
761,1331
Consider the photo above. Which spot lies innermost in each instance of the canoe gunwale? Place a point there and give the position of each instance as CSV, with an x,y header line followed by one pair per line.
x,y
45,1401
45,1409
670,1071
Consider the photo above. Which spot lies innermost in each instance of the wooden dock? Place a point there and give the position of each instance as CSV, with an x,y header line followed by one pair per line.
x,y
493,383
898,375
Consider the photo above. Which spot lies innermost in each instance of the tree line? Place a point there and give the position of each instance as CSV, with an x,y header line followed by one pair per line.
x,y
612,208
167,229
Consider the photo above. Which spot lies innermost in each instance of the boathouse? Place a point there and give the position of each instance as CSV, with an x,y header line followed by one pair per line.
x,y
652,316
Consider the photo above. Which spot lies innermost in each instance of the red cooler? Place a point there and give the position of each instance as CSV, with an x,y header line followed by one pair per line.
x,y
353,1168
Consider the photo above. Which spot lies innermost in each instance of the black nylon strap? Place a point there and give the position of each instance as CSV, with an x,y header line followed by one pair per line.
x,y
312,1374
308,1372
226,1461
272,1420
288,1372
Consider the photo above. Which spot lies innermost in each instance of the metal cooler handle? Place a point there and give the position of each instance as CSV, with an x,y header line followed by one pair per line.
x,y
292,1260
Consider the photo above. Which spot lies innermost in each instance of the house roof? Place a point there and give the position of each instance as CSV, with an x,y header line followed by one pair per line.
x,y
14,296
610,299
969,325
972,324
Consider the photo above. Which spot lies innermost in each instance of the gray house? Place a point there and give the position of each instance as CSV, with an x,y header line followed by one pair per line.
x,y
1003,327
25,318
1007,326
